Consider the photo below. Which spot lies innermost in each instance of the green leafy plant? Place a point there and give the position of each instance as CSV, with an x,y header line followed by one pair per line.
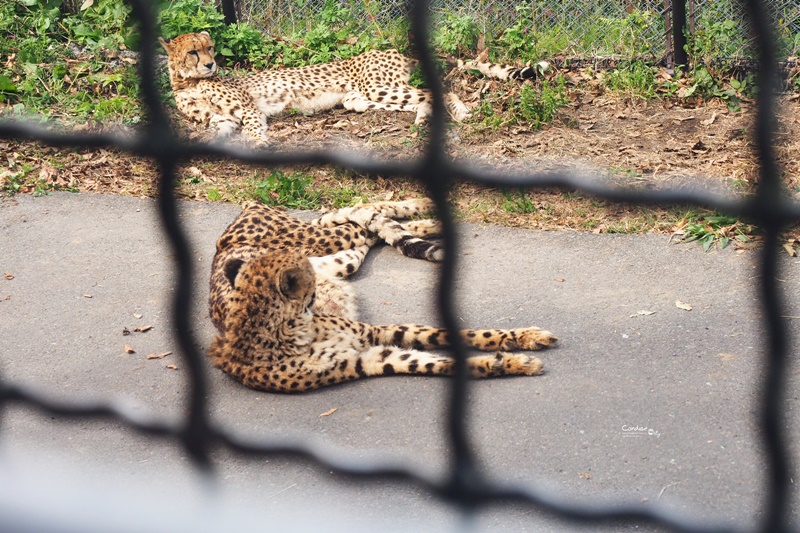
x,y
7,88
713,229
176,17
456,34
533,105
539,105
289,190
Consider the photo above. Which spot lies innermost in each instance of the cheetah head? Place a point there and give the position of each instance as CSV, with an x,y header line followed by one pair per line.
x,y
191,55
270,290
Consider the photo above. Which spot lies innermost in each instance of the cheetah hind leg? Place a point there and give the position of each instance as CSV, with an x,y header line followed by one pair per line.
x,y
430,338
371,218
397,210
390,360
331,366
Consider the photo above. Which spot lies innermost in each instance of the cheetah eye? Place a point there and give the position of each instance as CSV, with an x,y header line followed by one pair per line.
x,y
193,52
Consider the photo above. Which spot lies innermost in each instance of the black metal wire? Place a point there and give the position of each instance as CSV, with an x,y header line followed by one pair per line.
x,y
465,485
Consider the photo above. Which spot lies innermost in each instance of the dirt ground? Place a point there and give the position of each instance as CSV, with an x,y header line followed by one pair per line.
x,y
636,143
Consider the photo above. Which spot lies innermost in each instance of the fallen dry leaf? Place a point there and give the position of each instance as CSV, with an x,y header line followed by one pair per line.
x,y
8,275
790,249
680,305
87,296
48,173
709,121
137,315
172,367
585,475
329,412
643,313
142,329
158,355
128,349
560,280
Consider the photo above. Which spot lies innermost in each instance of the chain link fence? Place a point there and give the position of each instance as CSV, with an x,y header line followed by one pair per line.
x,y
574,28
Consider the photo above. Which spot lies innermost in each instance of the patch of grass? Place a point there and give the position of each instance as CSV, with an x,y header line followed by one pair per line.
x,y
289,190
713,229
632,80
518,202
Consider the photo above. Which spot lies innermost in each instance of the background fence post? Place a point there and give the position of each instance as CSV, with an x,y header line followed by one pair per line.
x,y
679,33
229,10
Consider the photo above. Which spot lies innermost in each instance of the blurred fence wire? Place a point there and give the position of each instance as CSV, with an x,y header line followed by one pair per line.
x,y
465,485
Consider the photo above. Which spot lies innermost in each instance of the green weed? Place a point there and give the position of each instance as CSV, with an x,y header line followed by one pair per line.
x,y
714,229
288,190
633,80
518,202
538,106
456,34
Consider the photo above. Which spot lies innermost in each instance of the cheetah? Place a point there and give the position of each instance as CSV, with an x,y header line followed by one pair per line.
x,y
286,317
377,79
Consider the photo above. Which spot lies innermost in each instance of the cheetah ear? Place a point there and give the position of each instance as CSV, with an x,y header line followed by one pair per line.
x,y
166,43
206,34
295,282
232,269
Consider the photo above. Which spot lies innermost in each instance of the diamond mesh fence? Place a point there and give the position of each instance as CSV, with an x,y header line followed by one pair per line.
x,y
465,484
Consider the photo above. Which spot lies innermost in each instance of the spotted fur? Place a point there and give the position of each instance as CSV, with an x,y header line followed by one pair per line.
x,y
286,316
377,79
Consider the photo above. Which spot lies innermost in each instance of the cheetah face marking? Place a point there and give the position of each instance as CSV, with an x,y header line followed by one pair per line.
x,y
191,55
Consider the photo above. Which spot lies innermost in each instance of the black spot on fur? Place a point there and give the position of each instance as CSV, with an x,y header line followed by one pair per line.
x,y
388,369
360,368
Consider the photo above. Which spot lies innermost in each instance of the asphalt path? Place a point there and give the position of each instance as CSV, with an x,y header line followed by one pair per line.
x,y
644,402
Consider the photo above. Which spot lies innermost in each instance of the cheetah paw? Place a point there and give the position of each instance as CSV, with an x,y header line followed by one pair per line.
x,y
521,364
535,339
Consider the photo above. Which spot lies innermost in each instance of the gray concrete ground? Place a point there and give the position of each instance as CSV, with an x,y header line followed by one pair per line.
x,y
85,267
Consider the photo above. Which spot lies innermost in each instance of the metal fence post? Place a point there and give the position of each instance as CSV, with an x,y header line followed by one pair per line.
x,y
669,57
229,10
679,33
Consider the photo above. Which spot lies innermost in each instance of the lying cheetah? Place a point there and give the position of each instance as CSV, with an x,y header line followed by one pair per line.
x,y
377,79
286,317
